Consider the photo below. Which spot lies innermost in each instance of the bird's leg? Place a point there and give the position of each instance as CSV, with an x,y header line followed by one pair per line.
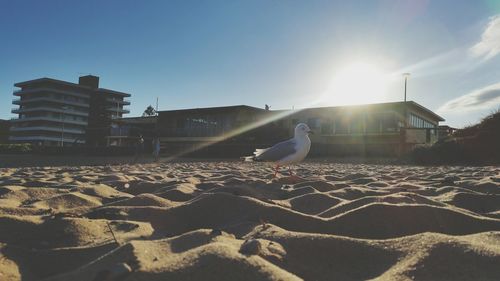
x,y
276,170
293,177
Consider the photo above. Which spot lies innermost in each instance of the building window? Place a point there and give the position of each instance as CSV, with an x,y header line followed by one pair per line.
x,y
389,122
327,127
357,125
418,122
313,123
341,127
373,123
181,123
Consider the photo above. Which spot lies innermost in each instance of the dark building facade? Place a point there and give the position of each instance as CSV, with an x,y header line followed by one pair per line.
x,y
231,130
125,132
4,131
57,113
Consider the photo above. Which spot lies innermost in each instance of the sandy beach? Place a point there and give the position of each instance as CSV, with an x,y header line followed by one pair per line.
x,y
233,221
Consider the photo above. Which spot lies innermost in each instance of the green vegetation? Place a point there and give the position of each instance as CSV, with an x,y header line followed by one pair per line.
x,y
150,111
15,148
476,144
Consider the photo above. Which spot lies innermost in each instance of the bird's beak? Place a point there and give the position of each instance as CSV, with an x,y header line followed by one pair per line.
x,y
310,132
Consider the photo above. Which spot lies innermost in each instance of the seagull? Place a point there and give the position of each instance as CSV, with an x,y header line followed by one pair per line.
x,y
288,152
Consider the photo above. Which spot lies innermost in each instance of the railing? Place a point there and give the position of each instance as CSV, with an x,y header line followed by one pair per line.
x,y
50,90
47,128
36,138
50,109
48,118
114,109
120,101
50,99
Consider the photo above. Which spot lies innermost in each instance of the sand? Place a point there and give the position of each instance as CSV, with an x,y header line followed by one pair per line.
x,y
233,221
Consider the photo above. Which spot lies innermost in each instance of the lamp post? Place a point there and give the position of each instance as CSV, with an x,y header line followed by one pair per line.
x,y
406,75
402,142
64,108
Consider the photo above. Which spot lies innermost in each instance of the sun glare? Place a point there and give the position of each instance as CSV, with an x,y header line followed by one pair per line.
x,y
358,83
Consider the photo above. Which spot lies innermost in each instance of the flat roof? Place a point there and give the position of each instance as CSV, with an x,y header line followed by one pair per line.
x,y
388,104
51,80
427,110
137,119
214,108
114,92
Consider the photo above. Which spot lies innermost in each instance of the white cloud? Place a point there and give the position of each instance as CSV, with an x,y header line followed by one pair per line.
x,y
489,46
487,97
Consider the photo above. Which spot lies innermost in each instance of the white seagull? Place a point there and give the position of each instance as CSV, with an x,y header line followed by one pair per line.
x,y
288,152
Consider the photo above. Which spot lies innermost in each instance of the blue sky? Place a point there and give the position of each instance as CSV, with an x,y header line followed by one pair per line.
x,y
282,53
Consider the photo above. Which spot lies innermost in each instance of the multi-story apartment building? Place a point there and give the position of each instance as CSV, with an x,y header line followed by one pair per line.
x,y
58,113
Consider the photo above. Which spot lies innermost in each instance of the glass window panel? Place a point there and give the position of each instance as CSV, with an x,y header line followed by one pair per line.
x,y
341,127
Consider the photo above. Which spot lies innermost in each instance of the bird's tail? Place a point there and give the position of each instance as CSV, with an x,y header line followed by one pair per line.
x,y
259,151
255,155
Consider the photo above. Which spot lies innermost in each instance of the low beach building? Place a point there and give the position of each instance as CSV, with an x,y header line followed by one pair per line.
x,y
58,113
445,131
384,129
230,130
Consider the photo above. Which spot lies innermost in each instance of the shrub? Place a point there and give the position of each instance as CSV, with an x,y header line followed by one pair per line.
x,y
476,144
15,148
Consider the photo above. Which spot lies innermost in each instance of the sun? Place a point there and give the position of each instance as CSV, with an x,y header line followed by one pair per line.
x,y
358,83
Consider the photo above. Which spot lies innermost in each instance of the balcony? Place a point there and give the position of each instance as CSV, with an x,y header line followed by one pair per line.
x,y
119,110
47,128
49,109
48,118
44,138
49,99
48,90
119,101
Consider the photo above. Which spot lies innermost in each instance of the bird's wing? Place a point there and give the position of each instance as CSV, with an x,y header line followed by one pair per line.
x,y
277,151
